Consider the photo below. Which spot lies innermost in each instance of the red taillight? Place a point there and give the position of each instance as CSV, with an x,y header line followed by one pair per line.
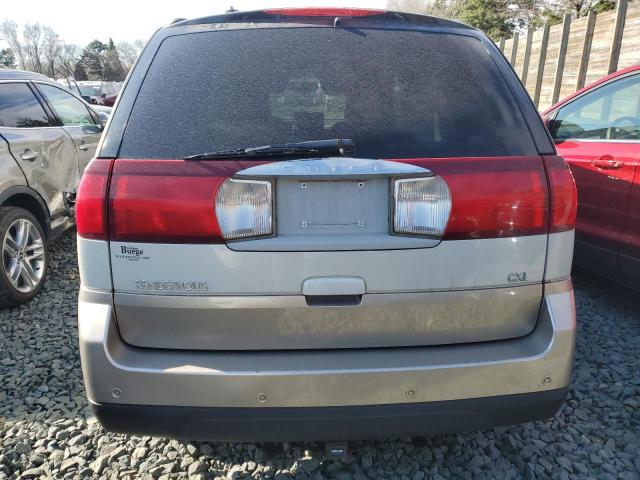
x,y
91,214
173,201
323,12
564,196
170,201
493,197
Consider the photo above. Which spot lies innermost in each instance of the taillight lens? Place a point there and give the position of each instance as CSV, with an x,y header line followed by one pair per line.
x,y
422,206
91,211
244,209
174,201
171,201
493,197
564,196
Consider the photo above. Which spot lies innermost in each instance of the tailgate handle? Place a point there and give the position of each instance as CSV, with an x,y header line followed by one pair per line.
x,y
333,286
333,300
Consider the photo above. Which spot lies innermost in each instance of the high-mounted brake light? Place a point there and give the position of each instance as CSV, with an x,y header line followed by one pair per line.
x,y
324,12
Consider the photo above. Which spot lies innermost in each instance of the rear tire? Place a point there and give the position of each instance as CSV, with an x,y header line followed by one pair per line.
x,y
24,256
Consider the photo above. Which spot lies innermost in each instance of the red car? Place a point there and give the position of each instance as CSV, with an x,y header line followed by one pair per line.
x,y
597,130
99,93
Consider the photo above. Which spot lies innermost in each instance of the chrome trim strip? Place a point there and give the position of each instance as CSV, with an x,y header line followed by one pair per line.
x,y
595,140
333,168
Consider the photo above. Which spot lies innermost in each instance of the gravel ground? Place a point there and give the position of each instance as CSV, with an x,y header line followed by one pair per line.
x,y
46,429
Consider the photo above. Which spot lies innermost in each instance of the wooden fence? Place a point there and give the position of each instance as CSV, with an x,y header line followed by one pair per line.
x,y
553,62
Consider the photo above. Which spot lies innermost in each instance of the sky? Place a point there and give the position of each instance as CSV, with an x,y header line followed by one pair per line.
x,y
80,22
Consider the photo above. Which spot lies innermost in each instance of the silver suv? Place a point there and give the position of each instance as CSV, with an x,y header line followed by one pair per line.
x,y
47,137
324,224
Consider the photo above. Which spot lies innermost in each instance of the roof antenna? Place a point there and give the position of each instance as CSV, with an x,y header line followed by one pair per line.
x,y
231,9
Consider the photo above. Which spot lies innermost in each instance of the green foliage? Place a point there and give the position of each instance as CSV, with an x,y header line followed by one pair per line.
x,y
437,8
96,46
490,16
7,58
40,49
501,17
603,6
114,71
92,60
100,61
545,15
79,73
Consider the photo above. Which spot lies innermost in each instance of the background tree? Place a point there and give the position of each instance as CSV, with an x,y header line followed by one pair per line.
x,y
41,49
7,58
581,8
33,44
535,13
490,16
51,49
602,6
92,60
113,69
503,16
9,33
129,52
79,73
68,59
438,8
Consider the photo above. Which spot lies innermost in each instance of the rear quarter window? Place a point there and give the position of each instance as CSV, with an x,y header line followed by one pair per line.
x,y
395,93
19,108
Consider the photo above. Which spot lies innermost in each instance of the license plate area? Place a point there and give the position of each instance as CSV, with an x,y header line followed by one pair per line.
x,y
327,207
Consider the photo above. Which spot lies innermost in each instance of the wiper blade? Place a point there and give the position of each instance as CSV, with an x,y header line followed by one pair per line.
x,y
334,146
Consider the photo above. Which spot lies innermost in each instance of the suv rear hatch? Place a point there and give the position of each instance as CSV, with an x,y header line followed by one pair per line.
x,y
434,231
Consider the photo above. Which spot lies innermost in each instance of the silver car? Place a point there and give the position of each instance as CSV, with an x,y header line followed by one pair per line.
x,y
47,137
384,253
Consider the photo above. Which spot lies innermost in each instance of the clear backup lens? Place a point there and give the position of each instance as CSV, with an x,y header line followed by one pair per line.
x,y
244,209
422,206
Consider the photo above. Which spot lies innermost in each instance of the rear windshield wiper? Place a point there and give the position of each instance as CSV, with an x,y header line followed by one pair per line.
x,y
334,146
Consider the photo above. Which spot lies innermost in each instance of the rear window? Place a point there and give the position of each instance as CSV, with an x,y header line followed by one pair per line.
x,y
395,93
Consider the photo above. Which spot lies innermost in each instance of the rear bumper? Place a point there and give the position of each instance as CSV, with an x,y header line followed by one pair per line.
x,y
133,388
329,423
